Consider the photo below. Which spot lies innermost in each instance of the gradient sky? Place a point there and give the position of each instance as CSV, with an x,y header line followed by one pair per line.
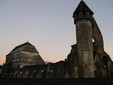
x,y
48,25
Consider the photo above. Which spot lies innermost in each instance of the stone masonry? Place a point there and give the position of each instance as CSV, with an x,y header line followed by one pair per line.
x,y
87,58
82,18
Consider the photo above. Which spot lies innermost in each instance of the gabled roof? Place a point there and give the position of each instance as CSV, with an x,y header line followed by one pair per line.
x,y
27,47
82,7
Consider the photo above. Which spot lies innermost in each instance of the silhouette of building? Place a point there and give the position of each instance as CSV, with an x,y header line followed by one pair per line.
x,y
87,58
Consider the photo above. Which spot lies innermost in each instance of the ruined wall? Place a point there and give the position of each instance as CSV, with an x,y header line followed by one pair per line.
x,y
26,58
78,62
24,54
61,69
85,48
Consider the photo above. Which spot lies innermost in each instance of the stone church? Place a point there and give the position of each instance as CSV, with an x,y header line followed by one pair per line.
x,y
87,58
25,54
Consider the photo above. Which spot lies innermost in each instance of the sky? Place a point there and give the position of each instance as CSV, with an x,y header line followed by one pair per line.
x,y
49,26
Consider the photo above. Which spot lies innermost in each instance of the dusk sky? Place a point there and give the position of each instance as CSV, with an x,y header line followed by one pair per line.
x,y
48,25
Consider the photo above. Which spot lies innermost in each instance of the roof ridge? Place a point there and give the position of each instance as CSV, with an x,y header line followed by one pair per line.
x,y
24,44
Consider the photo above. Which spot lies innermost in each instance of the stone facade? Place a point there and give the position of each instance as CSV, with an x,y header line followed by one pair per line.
x,y
103,67
25,54
85,48
83,21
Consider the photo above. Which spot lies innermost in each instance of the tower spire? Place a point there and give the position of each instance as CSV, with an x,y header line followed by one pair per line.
x,y
83,21
81,9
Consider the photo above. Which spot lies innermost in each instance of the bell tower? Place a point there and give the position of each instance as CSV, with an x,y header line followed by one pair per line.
x,y
83,22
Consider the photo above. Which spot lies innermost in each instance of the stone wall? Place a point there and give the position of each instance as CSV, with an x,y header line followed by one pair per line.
x,y
60,69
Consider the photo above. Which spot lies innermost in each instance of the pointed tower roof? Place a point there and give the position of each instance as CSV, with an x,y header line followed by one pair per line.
x,y
82,7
